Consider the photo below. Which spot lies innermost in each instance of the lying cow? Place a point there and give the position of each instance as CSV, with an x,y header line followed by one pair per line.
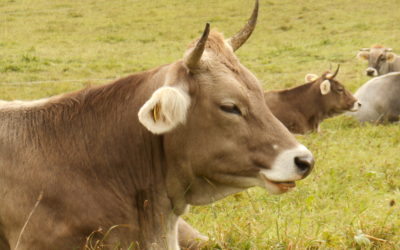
x,y
380,98
381,60
138,151
301,109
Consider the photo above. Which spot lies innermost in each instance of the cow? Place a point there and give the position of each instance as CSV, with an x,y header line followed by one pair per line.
x,y
381,60
380,99
301,109
133,154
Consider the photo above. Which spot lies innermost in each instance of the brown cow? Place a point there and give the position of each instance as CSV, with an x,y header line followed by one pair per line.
x,y
136,152
301,109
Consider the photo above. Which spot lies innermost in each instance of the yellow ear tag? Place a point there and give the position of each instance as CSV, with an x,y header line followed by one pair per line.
x,y
156,112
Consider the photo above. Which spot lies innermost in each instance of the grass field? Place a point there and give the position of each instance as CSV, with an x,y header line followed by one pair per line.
x,y
45,45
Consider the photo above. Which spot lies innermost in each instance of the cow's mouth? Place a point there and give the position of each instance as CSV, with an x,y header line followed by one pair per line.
x,y
285,185
353,109
282,186
355,106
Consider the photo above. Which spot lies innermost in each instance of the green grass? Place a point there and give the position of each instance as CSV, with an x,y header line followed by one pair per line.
x,y
357,174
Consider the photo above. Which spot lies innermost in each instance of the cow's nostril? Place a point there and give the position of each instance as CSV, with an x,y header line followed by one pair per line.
x,y
304,164
359,104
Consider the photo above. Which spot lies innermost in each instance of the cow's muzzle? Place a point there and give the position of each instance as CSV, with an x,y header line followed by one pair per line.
x,y
355,107
290,166
371,71
304,164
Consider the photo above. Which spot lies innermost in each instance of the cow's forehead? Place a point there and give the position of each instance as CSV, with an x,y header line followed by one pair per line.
x,y
224,82
220,67
336,82
248,84
377,51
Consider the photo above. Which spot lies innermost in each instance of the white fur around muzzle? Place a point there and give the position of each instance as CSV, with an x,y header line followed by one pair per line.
x,y
284,168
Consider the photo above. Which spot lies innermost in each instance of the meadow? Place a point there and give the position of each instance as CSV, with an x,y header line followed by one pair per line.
x,y
49,47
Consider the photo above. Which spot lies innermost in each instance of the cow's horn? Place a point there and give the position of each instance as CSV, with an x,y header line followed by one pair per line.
x,y
365,49
240,38
334,74
388,50
194,57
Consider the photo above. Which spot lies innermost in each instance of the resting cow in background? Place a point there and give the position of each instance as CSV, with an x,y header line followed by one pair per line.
x,y
138,151
380,98
301,109
381,60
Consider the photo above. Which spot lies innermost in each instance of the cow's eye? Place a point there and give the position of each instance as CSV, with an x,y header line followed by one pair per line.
x,y
231,108
340,89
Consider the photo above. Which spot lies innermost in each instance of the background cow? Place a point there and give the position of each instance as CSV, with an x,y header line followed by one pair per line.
x,y
381,60
138,151
380,98
301,109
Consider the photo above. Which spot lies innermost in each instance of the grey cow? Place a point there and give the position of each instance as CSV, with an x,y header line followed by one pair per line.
x,y
381,60
380,99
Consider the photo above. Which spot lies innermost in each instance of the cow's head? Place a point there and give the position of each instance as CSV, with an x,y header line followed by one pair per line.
x,y
219,136
335,98
378,59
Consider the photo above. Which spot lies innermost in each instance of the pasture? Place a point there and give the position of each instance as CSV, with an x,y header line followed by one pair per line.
x,y
51,47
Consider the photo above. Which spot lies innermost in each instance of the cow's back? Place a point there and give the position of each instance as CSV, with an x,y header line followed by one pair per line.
x,y
286,112
29,169
379,98
63,151
275,104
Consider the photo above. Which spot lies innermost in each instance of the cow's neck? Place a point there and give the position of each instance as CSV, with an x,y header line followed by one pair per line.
x,y
95,134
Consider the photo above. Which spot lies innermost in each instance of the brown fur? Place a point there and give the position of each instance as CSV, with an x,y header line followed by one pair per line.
x,y
65,149
301,109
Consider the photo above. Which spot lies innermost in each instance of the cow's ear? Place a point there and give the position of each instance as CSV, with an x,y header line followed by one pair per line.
x,y
310,77
390,57
363,55
166,109
325,87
